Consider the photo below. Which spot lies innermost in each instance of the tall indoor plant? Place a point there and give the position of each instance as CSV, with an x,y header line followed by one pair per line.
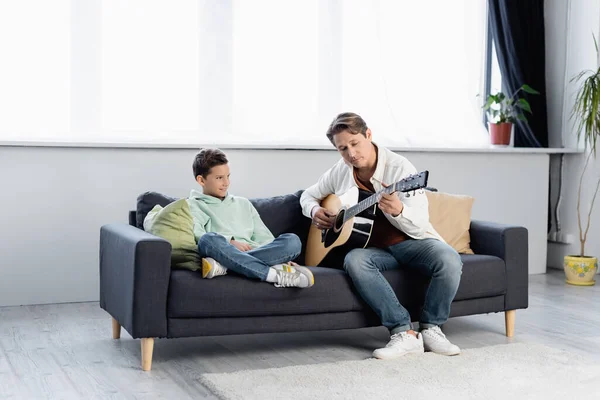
x,y
503,111
581,268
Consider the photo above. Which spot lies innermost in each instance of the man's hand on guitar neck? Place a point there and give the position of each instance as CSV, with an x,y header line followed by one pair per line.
x,y
323,218
390,203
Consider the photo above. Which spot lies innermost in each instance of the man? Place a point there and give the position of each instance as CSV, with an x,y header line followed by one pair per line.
x,y
231,235
402,237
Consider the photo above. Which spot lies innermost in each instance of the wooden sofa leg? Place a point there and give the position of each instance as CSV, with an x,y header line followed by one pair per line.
x,y
509,317
116,329
147,348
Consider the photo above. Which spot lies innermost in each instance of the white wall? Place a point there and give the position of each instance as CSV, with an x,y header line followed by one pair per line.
x,y
569,50
54,200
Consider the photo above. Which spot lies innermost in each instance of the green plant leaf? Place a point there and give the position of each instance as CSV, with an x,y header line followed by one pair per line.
x,y
595,43
581,75
524,105
500,96
489,103
586,109
521,117
529,89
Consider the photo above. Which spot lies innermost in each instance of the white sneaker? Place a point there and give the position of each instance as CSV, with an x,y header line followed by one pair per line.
x,y
211,268
400,344
293,276
434,340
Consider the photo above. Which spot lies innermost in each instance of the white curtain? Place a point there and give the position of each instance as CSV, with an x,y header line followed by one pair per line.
x,y
262,72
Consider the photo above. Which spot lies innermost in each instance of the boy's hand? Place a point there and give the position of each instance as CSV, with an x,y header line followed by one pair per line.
x,y
241,246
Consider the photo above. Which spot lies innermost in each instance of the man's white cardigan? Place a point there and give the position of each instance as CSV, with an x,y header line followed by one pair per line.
x,y
391,168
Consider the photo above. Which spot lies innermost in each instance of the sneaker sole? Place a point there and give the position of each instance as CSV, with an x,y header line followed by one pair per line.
x,y
443,353
448,353
206,268
394,356
307,272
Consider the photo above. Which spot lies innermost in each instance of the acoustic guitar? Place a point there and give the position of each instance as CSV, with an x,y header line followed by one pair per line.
x,y
355,213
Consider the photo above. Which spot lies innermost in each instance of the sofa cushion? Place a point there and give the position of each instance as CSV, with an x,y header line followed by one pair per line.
x,y
175,223
482,276
232,295
450,215
146,202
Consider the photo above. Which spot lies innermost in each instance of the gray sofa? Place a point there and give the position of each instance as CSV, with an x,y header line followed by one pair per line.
x,y
150,300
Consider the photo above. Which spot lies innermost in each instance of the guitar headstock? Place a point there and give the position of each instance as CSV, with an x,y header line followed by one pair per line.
x,y
412,182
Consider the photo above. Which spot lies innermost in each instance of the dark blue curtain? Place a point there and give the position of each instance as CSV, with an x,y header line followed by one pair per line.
x,y
517,28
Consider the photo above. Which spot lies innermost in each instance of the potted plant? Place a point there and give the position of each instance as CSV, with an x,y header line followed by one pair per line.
x,y
581,268
503,111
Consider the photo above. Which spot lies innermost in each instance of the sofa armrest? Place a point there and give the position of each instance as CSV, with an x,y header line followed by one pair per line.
x,y
135,268
509,243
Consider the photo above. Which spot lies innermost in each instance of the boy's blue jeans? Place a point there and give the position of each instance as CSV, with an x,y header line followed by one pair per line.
x,y
254,263
430,257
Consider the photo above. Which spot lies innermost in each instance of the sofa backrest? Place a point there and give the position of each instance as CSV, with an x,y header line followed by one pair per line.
x,y
281,214
146,202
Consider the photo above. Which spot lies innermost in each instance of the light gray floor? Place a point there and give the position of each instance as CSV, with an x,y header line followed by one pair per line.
x,y
65,351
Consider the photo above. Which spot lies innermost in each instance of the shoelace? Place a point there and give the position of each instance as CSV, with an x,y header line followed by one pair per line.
x,y
397,337
438,334
288,279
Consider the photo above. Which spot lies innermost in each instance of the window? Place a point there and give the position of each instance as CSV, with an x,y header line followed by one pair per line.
x,y
415,69
150,60
493,76
35,72
239,72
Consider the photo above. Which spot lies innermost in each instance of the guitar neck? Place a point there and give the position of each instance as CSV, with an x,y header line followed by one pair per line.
x,y
366,203
412,182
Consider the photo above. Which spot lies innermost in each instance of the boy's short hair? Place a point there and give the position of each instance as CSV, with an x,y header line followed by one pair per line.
x,y
206,159
347,121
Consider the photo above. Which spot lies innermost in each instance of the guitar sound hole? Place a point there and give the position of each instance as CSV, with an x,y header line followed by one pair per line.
x,y
339,221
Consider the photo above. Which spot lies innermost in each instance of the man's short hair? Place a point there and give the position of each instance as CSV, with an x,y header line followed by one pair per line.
x,y
347,121
206,159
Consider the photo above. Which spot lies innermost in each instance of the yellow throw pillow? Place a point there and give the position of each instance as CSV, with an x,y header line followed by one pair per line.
x,y
175,224
450,215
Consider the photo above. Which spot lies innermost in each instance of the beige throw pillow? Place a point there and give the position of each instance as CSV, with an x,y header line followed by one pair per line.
x,y
450,215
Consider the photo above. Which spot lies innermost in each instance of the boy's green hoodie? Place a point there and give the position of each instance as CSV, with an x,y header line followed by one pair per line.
x,y
233,217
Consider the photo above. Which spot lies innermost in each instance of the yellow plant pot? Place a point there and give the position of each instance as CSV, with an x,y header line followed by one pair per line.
x,y
580,270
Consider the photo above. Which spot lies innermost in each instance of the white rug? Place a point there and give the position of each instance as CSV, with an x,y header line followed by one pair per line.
x,y
507,372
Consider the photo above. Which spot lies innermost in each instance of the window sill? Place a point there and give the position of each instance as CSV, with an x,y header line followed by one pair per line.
x,y
134,145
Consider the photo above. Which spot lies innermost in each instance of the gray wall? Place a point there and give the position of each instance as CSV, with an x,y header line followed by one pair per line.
x,y
569,50
54,201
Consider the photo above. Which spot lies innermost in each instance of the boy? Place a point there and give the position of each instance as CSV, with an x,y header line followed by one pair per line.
x,y
231,235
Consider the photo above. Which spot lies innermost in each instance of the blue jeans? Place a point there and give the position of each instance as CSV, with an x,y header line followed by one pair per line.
x,y
430,257
254,263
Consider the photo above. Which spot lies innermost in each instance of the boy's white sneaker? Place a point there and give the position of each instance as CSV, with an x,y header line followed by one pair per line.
x,y
288,275
400,344
211,268
434,340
